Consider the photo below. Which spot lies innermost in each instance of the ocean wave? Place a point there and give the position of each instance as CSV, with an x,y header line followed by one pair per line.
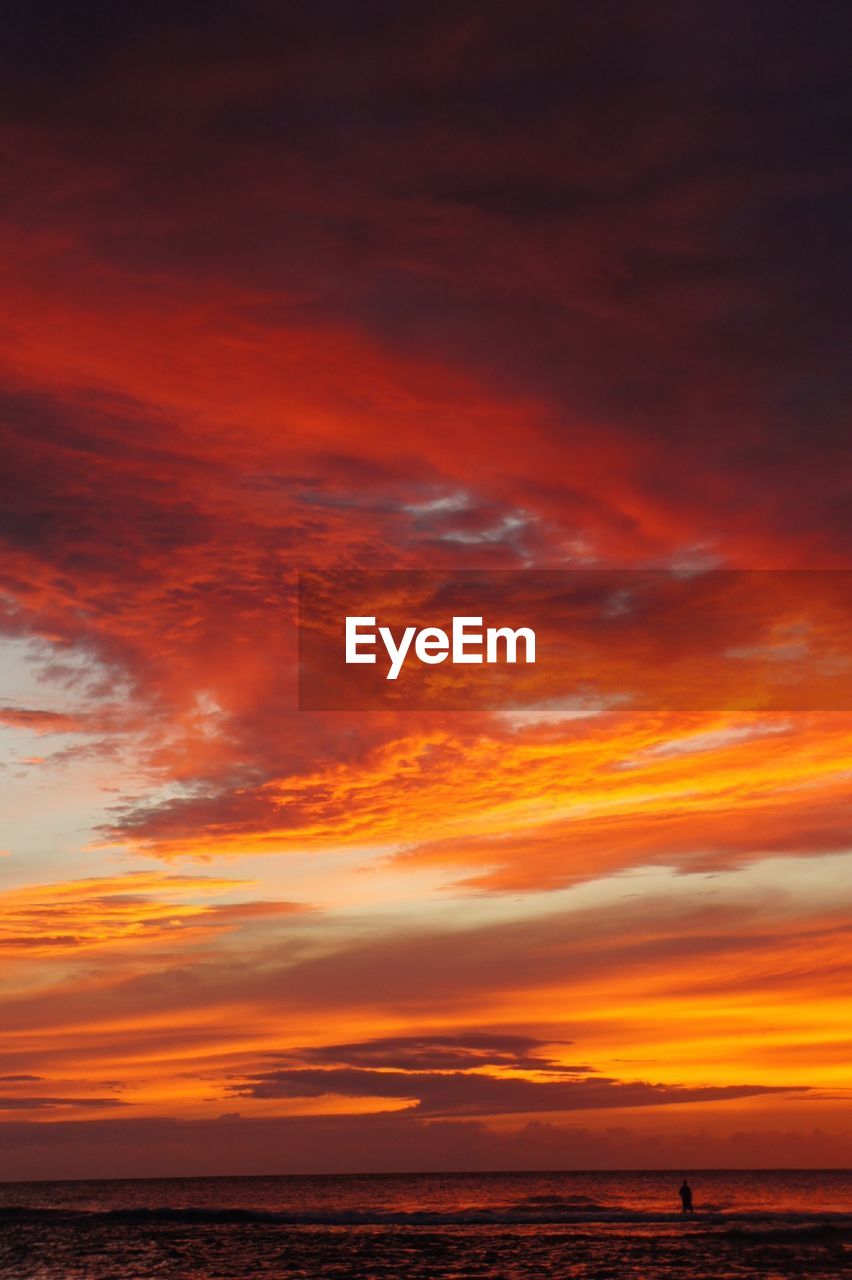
x,y
534,1211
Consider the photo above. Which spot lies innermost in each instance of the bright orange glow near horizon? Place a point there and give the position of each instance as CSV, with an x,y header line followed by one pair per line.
x,y
410,333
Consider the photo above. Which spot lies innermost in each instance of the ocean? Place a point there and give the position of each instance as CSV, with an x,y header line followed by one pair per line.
x,y
501,1226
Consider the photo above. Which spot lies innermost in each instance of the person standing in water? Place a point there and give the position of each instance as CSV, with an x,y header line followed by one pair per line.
x,y
686,1197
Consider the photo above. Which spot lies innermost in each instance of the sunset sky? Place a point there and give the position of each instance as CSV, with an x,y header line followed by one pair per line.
x,y
438,287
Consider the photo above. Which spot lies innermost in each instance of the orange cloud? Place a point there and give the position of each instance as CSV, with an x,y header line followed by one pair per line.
x,y
431,297
135,908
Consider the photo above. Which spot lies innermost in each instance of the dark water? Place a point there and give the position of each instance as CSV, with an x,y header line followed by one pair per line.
x,y
430,1227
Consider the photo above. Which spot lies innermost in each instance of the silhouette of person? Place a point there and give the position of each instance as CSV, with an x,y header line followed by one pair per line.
x,y
686,1197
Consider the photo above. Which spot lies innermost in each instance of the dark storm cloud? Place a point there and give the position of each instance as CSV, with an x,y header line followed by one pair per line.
x,y
474,1093
444,1075
437,1053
